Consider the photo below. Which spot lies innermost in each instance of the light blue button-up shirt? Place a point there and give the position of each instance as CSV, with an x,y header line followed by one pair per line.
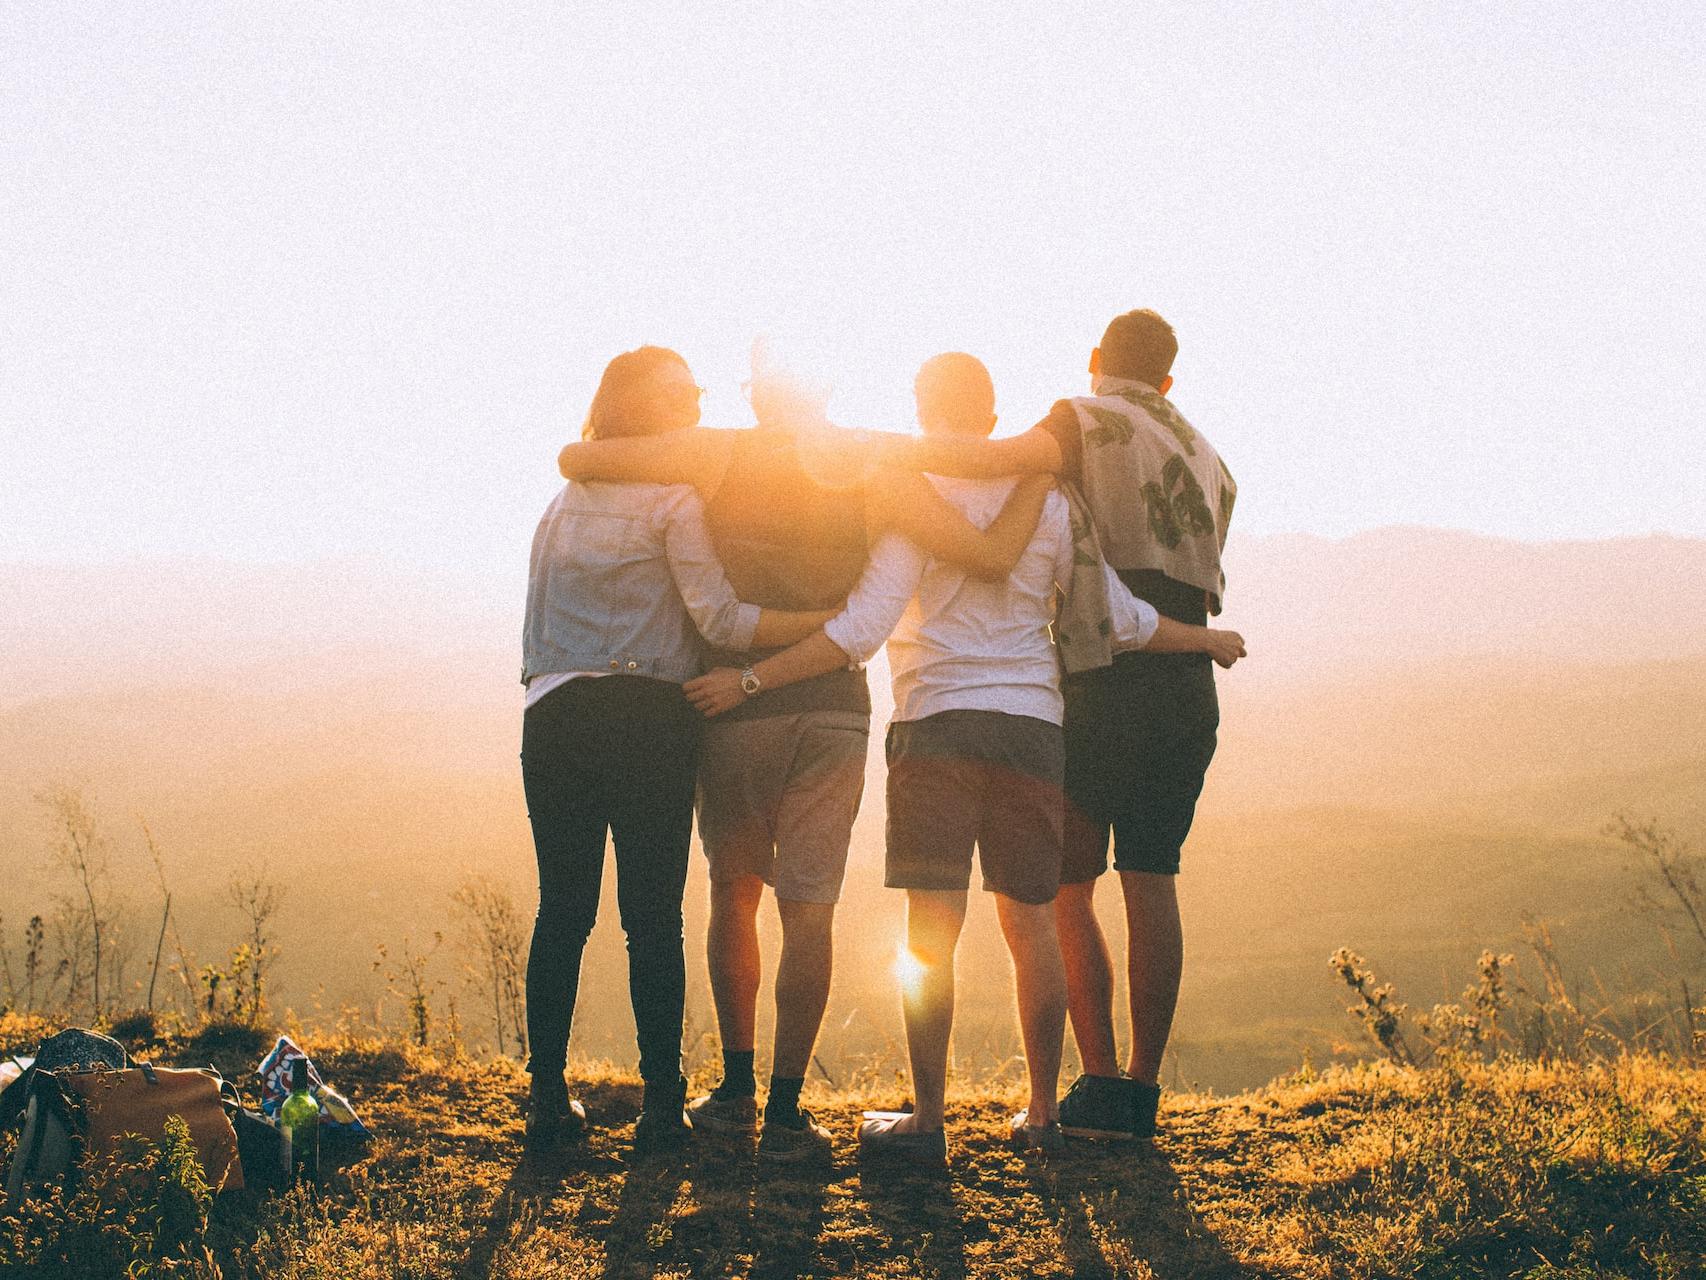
x,y
623,581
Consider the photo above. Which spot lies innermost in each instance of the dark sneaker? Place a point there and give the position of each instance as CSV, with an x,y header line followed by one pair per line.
x,y
735,1116
663,1124
1145,1101
1100,1107
795,1141
879,1139
552,1116
1025,1136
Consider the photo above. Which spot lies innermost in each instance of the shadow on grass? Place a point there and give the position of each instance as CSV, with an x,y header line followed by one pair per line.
x,y
717,1209
710,1209
521,1206
1121,1208
917,1210
788,1207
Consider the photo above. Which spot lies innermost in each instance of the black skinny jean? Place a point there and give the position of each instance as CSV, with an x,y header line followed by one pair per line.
x,y
614,754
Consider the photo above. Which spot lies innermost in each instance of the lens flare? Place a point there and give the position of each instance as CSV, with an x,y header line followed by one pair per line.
x,y
909,971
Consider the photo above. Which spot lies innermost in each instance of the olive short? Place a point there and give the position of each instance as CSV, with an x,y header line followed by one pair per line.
x,y
960,778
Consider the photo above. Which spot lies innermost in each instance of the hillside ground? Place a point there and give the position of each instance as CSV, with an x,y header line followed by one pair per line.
x,y
1549,1172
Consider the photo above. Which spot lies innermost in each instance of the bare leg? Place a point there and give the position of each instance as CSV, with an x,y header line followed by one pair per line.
x,y
731,951
802,983
934,918
1155,959
1040,976
1089,978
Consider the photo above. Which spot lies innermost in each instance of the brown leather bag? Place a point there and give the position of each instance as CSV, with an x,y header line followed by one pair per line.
x,y
139,1099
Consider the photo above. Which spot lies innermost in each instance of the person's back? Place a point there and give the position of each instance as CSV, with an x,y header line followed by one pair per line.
x,y
782,775
964,643
1140,733
1159,495
790,538
603,591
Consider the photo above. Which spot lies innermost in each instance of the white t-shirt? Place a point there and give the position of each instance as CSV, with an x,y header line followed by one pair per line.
x,y
959,643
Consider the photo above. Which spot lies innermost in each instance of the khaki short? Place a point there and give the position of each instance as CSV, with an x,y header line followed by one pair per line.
x,y
777,799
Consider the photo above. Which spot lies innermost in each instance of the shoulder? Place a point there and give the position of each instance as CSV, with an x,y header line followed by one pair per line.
x,y
629,499
1062,416
672,502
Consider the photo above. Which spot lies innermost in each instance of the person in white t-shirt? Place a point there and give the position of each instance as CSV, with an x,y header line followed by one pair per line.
x,y
975,755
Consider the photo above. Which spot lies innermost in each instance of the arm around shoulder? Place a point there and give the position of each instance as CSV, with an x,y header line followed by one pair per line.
x,y
696,456
1034,452
908,504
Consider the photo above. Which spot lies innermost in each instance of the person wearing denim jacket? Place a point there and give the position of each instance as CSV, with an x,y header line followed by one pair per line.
x,y
623,582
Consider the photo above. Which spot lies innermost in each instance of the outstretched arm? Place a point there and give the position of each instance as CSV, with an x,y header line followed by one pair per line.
x,y
778,627
853,636
1225,647
696,456
1137,625
1036,451
719,690
908,504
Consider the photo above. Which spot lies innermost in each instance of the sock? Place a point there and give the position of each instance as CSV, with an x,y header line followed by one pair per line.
x,y
783,1104
738,1080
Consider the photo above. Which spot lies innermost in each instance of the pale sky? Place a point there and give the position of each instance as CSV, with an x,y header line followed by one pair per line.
x,y
286,282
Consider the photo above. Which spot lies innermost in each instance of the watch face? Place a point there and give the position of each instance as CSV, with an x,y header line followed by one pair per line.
x,y
749,684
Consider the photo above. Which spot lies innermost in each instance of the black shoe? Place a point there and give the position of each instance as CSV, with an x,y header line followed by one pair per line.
x,y
1103,1107
663,1124
552,1115
1145,1101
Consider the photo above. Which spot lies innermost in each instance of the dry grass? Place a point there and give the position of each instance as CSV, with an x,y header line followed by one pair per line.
x,y
1463,1170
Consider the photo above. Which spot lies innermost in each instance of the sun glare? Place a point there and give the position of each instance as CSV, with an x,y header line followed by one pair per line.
x,y
909,971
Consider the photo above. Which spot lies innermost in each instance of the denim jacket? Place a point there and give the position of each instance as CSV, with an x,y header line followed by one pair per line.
x,y
620,577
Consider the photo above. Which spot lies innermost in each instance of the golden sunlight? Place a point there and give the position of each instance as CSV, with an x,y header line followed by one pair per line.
x,y
909,971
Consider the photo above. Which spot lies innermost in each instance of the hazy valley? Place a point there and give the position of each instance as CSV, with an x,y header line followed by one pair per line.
x,y
1424,746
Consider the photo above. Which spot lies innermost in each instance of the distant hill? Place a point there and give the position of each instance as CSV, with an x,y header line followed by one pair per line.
x,y
1312,607
1430,734
1400,596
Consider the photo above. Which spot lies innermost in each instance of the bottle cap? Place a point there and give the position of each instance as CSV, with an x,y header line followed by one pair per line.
x,y
299,1075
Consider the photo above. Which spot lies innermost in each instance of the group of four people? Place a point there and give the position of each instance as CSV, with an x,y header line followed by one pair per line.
x,y
700,607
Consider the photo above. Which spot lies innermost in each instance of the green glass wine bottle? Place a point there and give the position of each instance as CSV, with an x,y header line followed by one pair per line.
x,y
300,1118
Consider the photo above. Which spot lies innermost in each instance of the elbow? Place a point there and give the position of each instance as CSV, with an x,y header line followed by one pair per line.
x,y
736,625
566,463
726,632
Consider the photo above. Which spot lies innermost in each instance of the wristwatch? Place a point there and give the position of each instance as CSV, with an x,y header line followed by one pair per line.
x,y
750,683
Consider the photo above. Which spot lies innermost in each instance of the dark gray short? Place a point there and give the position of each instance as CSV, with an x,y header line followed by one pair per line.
x,y
960,778
1139,738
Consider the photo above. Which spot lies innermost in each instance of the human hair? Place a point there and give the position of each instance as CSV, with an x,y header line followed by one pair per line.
x,y
1139,345
622,405
955,389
